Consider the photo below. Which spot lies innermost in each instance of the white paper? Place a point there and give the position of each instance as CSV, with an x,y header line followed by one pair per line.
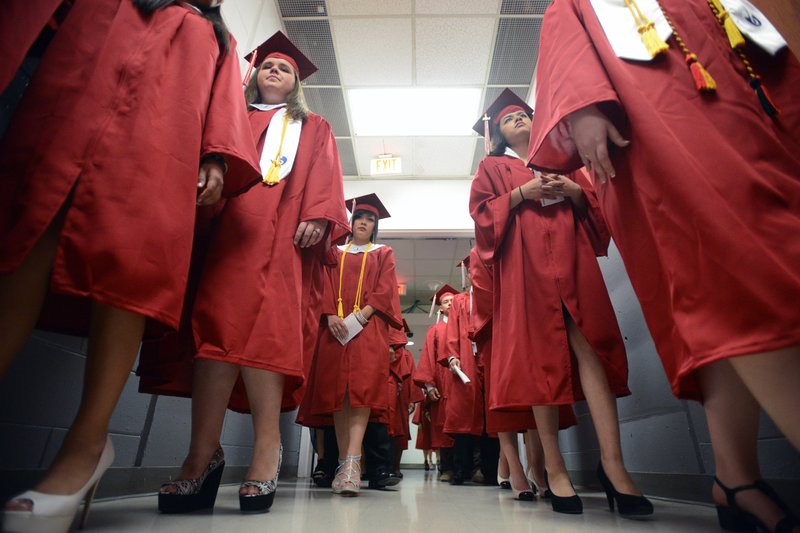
x,y
620,26
354,327
551,201
462,375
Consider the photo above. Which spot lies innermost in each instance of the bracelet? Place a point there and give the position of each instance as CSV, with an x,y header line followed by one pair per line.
x,y
522,196
361,318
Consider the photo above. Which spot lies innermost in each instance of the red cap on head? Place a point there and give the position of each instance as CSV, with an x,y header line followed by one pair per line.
x,y
281,47
368,202
504,104
444,291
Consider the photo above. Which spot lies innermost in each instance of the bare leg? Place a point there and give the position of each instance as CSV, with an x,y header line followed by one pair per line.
x,y
22,294
509,449
265,392
113,344
502,463
603,408
772,377
535,453
557,476
212,384
732,415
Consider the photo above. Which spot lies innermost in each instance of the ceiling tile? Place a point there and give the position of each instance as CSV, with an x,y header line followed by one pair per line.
x,y
443,156
347,157
453,51
373,7
403,248
373,52
435,249
448,7
329,102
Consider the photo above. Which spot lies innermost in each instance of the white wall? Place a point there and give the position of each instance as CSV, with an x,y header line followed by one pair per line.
x,y
251,22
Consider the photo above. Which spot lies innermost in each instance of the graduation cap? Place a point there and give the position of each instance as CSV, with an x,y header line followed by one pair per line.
x,y
443,291
464,265
506,103
369,202
281,47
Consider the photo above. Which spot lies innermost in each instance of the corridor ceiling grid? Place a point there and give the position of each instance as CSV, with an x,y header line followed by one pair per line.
x,y
485,44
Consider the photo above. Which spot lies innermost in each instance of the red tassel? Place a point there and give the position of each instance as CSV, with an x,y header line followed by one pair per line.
x,y
702,79
763,97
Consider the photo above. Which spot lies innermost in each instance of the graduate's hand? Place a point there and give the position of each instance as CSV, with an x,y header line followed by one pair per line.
x,y
368,311
310,232
410,408
532,190
433,394
591,131
209,183
555,185
392,355
455,362
337,327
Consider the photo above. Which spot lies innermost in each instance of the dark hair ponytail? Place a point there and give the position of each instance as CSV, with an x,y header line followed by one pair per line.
x,y
213,15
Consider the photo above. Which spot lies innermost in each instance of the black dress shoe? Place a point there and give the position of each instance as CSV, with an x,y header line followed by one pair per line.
x,y
457,479
564,504
381,480
627,504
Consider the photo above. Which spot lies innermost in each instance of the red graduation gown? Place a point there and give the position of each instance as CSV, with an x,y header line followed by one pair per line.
x,y
20,26
428,371
464,406
706,198
252,301
112,120
543,262
401,390
360,367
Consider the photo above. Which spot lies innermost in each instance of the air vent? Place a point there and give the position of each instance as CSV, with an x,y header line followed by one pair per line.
x,y
524,7
314,38
302,8
515,51
329,102
480,153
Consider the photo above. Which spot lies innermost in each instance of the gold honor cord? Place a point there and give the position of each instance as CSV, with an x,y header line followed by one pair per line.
x,y
273,174
647,30
357,303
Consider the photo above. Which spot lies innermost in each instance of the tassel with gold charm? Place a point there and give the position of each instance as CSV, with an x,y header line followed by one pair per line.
x,y
735,37
647,30
702,79
273,175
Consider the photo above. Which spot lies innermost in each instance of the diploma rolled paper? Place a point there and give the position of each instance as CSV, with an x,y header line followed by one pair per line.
x,y
462,375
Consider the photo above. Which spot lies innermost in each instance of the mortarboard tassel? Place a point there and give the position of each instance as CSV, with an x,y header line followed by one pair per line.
x,y
463,276
733,33
438,316
763,97
433,306
702,79
647,30
487,142
250,68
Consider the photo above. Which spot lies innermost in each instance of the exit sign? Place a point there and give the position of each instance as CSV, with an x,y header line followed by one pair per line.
x,y
384,166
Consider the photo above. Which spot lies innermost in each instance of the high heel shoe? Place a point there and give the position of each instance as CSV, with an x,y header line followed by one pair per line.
x,y
504,482
347,481
53,513
734,518
564,504
627,504
545,494
194,494
522,495
260,501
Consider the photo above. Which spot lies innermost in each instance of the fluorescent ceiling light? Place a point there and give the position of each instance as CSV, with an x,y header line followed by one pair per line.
x,y
413,111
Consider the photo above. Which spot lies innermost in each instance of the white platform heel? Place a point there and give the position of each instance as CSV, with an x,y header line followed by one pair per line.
x,y
53,513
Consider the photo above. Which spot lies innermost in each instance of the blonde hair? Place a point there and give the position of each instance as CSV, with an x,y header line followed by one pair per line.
x,y
296,104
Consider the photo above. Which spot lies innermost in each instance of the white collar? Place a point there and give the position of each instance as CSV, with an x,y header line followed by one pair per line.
x,y
267,107
358,248
512,153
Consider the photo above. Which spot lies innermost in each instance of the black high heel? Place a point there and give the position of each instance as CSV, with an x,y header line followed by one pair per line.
x,y
565,504
734,518
194,494
260,501
627,504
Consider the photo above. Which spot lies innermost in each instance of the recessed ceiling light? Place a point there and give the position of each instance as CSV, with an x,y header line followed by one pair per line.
x,y
413,111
